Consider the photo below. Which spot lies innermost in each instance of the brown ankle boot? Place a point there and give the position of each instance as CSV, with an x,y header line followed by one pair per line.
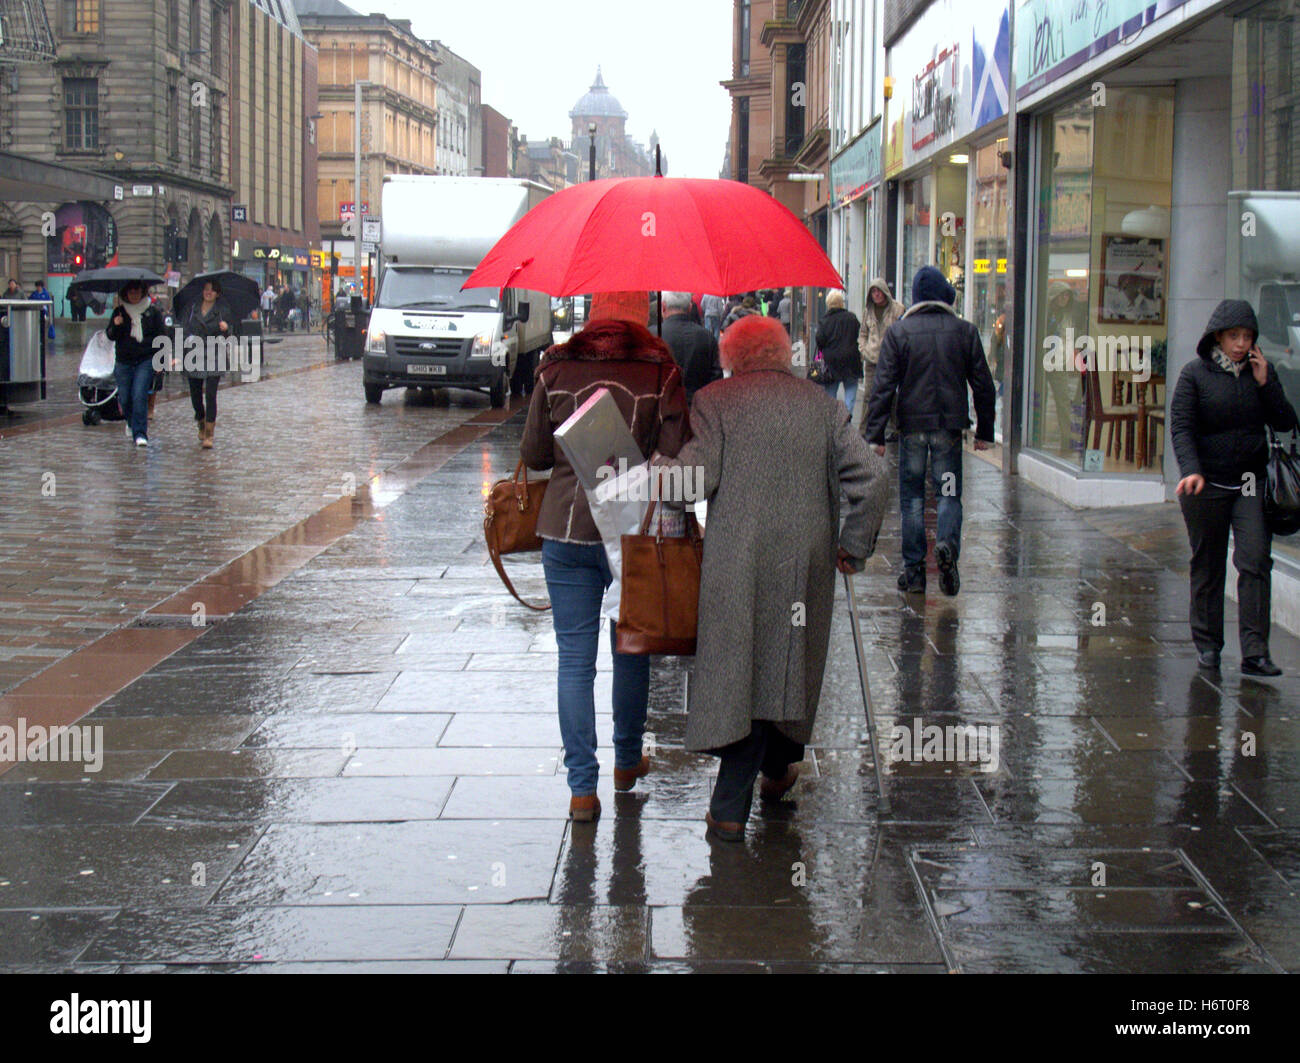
x,y
203,429
775,789
625,778
584,809
208,428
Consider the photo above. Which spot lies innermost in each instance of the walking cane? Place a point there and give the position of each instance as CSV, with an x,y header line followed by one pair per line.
x,y
882,804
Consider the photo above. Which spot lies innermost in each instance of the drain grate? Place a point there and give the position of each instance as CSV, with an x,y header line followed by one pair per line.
x,y
153,620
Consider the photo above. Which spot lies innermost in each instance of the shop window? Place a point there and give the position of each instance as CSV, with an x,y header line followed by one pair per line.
x,y
987,275
1102,247
915,242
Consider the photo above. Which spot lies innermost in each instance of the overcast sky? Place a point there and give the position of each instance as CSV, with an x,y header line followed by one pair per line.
x,y
663,62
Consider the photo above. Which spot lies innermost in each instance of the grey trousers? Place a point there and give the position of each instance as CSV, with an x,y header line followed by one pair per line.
x,y
1210,516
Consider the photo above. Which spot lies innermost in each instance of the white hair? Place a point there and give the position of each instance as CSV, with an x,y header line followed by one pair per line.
x,y
676,300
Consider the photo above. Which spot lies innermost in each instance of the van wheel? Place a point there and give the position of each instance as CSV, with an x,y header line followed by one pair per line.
x,y
374,394
498,391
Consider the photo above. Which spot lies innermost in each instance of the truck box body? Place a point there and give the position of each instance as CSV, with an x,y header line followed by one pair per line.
x,y
424,330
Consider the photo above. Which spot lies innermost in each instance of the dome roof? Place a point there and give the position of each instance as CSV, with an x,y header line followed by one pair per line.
x,y
598,102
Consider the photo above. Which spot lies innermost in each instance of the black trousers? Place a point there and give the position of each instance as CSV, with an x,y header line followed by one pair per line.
x,y
201,389
766,749
1209,516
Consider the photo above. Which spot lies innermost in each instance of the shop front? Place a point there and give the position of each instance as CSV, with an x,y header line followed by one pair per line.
x,y
857,215
1163,176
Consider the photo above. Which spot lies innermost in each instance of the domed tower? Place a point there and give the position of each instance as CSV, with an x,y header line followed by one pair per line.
x,y
601,107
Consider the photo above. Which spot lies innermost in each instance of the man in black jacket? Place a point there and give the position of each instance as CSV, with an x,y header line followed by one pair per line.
x,y
694,348
928,358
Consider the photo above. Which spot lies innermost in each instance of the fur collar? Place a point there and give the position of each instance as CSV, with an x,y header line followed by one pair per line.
x,y
624,346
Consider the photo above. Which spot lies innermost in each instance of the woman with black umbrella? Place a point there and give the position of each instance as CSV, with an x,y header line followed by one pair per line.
x,y
208,318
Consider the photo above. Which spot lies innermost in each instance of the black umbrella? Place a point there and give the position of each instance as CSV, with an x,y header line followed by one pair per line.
x,y
112,279
239,292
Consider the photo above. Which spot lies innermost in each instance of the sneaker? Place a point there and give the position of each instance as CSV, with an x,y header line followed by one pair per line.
x,y
140,441
129,434
949,579
912,580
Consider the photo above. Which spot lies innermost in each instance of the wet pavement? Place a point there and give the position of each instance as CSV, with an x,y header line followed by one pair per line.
x,y
357,764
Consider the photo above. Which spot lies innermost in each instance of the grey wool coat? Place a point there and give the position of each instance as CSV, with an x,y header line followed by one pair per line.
x,y
774,452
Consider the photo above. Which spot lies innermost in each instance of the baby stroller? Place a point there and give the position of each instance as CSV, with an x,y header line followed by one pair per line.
x,y
96,384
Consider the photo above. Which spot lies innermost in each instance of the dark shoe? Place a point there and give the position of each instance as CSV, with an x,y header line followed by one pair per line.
x,y
625,778
584,809
1208,659
912,580
949,579
1259,666
775,789
725,831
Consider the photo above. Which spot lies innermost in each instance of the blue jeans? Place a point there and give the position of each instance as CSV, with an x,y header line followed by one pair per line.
x,y
944,451
133,382
850,391
577,575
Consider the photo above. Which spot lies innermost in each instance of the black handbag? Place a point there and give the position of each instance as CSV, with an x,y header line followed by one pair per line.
x,y
819,372
1282,488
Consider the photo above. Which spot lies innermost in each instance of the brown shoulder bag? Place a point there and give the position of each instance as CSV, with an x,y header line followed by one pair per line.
x,y
510,522
659,608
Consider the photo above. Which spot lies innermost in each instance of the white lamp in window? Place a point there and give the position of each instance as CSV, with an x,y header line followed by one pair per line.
x,y
1152,222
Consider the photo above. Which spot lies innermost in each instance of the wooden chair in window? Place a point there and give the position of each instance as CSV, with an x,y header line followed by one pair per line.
x,y
1099,416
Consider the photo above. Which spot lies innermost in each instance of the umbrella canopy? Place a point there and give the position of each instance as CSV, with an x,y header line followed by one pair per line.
x,y
239,292
656,233
111,279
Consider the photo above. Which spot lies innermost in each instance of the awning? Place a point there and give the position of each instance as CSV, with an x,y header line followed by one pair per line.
x,y
27,180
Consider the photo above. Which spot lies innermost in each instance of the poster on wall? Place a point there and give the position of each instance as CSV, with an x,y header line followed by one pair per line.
x,y
1132,280
85,237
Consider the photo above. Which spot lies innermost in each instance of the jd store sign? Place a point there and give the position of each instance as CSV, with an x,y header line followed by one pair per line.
x,y
265,253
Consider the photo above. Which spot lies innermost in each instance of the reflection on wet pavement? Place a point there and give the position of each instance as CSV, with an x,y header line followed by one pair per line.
x,y
360,769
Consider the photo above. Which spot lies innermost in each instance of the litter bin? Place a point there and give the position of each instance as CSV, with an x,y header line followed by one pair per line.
x,y
349,324
22,350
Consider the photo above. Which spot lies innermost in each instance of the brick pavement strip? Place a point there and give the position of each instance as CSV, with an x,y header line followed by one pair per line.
x,y
365,760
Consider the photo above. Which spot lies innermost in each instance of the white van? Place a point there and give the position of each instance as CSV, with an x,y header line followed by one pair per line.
x,y
424,330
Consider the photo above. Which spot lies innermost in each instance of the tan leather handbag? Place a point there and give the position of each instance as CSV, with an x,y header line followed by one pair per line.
x,y
510,522
659,608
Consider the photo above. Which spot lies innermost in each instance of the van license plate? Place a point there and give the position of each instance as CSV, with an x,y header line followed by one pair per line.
x,y
427,370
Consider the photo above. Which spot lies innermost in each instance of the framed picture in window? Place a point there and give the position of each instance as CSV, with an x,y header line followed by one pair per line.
x,y
1132,280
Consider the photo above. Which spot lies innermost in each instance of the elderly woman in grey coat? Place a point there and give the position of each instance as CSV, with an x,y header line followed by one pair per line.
x,y
772,455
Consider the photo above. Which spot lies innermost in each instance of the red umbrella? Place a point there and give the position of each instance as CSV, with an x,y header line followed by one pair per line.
x,y
656,233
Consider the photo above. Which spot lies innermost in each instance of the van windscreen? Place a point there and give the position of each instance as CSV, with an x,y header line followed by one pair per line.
x,y
432,288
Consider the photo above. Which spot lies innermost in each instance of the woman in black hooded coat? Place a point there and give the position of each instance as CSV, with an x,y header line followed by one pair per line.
x,y
1221,405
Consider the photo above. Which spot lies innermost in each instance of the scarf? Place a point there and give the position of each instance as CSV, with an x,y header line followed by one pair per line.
x,y
135,311
1226,363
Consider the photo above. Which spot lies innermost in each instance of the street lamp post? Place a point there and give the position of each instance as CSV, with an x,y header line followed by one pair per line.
x,y
591,137
357,216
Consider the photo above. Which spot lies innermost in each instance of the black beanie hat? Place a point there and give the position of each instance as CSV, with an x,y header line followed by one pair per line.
x,y
1231,313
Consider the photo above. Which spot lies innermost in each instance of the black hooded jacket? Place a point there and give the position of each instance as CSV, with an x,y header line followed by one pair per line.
x,y
837,339
1216,420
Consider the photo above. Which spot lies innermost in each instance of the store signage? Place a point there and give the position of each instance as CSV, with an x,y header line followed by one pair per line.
x,y
239,212
270,253
347,210
1054,37
857,169
934,98
320,260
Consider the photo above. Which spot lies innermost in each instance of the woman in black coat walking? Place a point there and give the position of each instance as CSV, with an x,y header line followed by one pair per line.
x,y
837,340
210,320
1223,401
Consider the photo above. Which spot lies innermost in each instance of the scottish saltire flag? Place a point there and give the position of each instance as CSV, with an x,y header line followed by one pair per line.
x,y
990,78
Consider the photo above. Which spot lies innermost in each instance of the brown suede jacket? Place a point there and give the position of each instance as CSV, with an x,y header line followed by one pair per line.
x,y
639,372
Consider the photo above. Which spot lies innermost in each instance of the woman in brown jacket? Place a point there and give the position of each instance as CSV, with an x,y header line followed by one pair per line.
x,y
639,372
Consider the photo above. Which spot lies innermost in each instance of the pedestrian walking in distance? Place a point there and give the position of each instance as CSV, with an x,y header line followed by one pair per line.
x,y
881,311
837,340
638,371
136,322
775,452
1221,405
209,318
693,347
928,359
714,307
747,307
